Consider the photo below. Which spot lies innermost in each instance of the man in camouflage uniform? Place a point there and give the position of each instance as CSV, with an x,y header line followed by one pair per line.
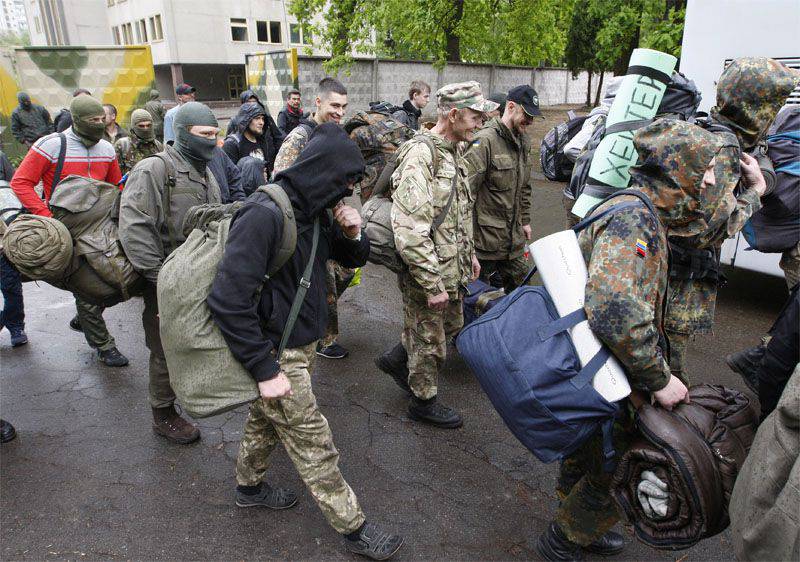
x,y
627,259
141,143
428,190
331,105
499,176
156,110
750,93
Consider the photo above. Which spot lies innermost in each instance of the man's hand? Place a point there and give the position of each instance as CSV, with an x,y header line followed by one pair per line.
x,y
438,302
476,268
349,219
527,231
751,174
673,394
275,388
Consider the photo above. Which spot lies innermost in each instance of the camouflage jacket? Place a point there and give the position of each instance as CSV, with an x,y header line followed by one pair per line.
x,y
441,260
292,145
131,150
499,178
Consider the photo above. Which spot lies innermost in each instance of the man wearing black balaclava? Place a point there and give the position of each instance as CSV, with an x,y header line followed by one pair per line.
x,y
322,175
29,122
149,232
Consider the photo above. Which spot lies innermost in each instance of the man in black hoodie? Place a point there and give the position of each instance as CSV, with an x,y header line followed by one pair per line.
x,y
253,137
321,176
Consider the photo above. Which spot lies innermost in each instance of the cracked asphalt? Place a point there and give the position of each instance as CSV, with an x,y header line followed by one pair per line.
x,y
86,479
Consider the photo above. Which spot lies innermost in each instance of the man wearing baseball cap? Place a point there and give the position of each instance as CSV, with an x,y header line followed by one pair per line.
x,y
183,93
432,223
499,173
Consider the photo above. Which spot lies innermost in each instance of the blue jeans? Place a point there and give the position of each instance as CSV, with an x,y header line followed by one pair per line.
x,y
13,314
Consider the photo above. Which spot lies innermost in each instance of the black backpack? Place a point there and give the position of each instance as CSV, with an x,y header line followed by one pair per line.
x,y
555,165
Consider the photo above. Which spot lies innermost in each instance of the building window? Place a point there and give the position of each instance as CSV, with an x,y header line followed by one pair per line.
x,y
127,34
110,3
37,24
298,35
141,31
235,85
156,31
115,33
239,29
268,32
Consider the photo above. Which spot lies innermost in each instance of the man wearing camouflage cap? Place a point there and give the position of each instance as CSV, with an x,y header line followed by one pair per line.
x,y
499,177
432,222
141,143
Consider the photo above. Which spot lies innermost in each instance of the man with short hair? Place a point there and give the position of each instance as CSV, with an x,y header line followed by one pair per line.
x,y
63,120
499,174
149,232
419,95
113,131
252,137
432,222
331,104
184,93
88,155
141,143
290,116
29,121
156,110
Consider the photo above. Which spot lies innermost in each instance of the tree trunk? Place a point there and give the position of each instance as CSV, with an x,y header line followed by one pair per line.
x,y
599,87
453,41
589,90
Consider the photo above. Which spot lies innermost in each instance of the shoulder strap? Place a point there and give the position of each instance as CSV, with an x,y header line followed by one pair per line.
x,y
302,289
439,219
62,154
166,196
289,237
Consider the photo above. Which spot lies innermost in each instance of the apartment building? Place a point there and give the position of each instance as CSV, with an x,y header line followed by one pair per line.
x,y
12,16
67,22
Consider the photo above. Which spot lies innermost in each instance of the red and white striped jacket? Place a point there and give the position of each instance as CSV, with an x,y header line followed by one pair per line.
x,y
98,162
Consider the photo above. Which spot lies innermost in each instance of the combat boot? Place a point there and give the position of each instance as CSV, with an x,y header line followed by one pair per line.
x,y
553,545
746,364
434,412
609,544
395,364
167,423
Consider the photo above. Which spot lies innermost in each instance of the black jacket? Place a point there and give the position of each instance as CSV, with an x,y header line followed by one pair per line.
x,y
270,128
288,120
268,142
314,183
409,115
228,177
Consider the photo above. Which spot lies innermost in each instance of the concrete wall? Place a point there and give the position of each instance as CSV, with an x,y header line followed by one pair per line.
x,y
370,80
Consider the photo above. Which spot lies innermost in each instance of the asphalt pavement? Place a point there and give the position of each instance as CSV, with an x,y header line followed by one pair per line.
x,y
86,479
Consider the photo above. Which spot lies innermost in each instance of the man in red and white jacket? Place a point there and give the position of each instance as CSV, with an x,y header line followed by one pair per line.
x,y
87,155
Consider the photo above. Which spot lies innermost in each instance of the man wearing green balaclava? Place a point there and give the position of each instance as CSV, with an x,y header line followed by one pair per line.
x,y
141,143
87,119
150,228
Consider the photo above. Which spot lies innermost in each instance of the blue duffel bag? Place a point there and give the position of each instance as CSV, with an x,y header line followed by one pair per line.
x,y
523,357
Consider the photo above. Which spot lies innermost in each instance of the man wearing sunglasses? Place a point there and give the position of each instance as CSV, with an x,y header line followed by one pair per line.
x,y
499,171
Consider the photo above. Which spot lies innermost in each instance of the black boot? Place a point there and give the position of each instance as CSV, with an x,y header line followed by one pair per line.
x,y
395,364
746,364
7,432
553,545
434,412
609,544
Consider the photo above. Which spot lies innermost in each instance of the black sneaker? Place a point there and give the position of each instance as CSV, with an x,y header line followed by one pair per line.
x,y
18,337
75,324
333,351
435,413
7,432
374,543
267,496
112,357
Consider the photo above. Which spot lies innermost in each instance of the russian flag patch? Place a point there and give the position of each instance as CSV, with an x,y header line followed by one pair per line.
x,y
641,247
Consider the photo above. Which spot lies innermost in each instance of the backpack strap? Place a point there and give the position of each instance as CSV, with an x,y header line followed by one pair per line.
x,y
166,195
289,237
436,161
302,289
62,155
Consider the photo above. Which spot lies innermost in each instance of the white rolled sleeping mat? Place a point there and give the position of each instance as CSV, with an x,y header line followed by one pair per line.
x,y
560,263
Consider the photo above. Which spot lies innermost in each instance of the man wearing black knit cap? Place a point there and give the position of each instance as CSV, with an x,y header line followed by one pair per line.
x,y
149,233
323,173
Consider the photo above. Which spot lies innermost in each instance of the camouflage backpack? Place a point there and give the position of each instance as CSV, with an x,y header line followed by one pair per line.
x,y
378,136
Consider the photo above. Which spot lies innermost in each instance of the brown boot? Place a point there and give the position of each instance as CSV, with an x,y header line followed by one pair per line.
x,y
168,423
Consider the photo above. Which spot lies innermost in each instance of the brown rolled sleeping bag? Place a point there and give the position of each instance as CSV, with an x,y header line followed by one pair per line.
x,y
41,248
697,449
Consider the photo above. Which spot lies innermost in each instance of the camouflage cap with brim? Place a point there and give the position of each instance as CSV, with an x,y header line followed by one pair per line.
x,y
464,95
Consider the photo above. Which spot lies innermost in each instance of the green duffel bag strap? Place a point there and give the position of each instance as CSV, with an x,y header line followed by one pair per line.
x,y
300,296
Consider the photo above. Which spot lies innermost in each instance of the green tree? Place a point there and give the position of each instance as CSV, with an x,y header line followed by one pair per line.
x,y
11,39
581,49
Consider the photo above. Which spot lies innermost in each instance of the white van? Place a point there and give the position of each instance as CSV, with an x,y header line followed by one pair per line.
x,y
715,33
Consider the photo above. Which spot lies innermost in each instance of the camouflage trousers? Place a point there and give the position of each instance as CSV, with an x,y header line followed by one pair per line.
x,y
678,348
296,422
338,278
425,336
587,510
790,264
568,203
512,271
